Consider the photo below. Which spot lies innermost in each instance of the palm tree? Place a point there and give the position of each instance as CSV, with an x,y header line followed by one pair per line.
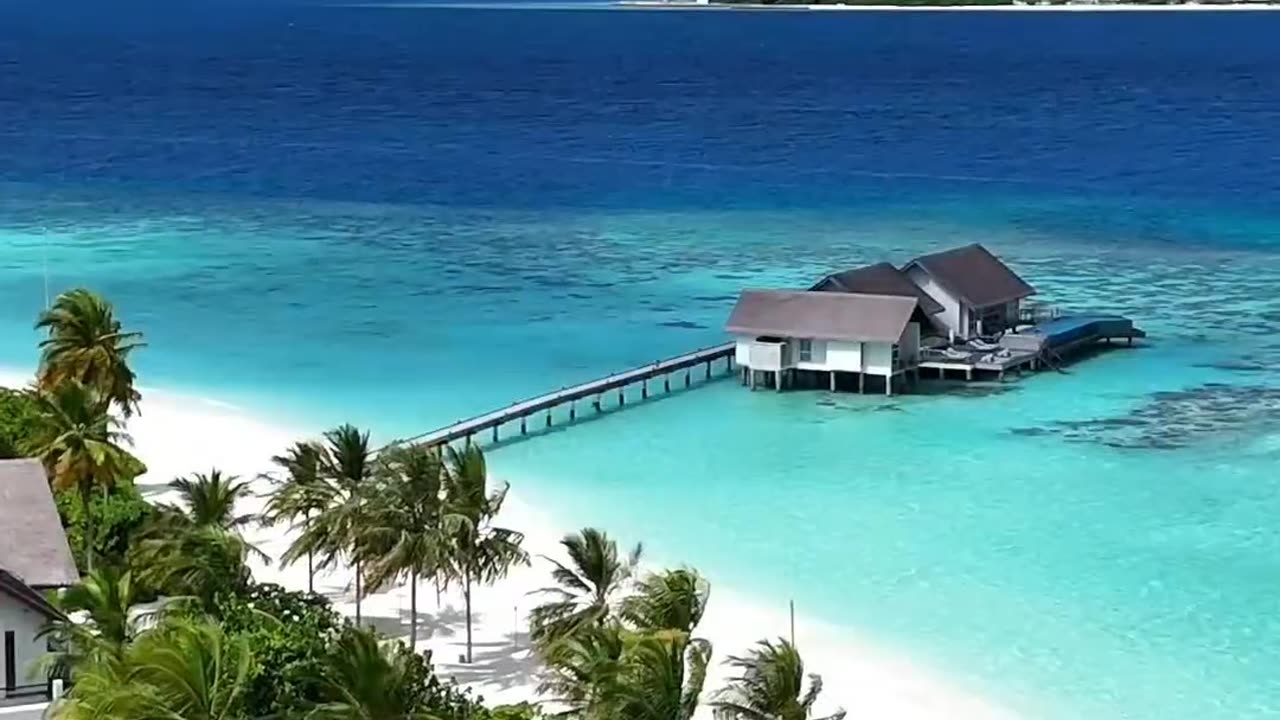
x,y
196,547
106,597
402,534
210,500
588,585
301,494
184,670
672,601
366,681
79,443
86,344
478,552
771,686
662,678
582,670
606,672
346,468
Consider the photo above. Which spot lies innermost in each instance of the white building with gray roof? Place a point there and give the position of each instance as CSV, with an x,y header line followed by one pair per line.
x,y
34,558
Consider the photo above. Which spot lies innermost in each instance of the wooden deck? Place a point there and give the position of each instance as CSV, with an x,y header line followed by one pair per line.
x,y
594,390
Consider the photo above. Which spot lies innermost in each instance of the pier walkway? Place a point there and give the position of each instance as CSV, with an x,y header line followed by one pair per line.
x,y
595,390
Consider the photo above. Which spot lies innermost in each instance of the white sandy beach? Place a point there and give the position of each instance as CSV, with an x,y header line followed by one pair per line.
x,y
178,434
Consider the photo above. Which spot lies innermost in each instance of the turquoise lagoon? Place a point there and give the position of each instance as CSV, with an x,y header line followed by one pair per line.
x,y
1096,544
400,217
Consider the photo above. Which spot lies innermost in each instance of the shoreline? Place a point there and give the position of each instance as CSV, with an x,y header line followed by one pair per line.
x,y
177,434
960,7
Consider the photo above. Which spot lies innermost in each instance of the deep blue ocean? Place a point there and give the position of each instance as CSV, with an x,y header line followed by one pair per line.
x,y
402,216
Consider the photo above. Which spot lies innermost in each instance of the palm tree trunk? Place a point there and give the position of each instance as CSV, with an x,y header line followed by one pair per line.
x,y
413,611
311,573
466,596
358,593
86,497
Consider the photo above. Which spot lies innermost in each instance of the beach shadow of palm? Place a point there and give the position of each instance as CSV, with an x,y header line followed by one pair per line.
x,y
443,623
500,664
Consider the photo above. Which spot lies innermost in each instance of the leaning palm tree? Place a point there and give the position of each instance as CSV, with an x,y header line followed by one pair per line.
x,y
79,443
770,686
581,670
661,678
587,586
478,552
301,495
87,344
402,536
183,670
364,680
346,469
209,500
672,601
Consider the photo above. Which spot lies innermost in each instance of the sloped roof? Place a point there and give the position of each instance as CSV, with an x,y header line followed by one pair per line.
x,y
821,315
974,275
879,279
33,547
20,591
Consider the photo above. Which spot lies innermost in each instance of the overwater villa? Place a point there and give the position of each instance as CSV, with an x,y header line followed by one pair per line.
x,y
960,310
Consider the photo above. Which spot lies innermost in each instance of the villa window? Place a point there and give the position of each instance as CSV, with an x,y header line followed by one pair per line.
x,y
806,351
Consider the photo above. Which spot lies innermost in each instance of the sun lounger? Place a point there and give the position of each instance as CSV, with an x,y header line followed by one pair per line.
x,y
983,345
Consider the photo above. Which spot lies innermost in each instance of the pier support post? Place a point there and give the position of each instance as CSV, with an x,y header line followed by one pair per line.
x,y
728,362
573,411
644,389
832,378
888,385
708,369
622,396
862,382
495,433
524,430
548,417
777,381
968,373
686,377
666,383
596,403
1129,341
752,375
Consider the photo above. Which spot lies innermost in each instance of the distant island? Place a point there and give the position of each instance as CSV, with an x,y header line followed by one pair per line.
x,y
960,4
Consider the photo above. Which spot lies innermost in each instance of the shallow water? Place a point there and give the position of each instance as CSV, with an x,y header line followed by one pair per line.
x,y
401,218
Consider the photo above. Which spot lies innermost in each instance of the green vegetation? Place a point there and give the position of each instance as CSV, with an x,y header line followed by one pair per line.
x,y
614,643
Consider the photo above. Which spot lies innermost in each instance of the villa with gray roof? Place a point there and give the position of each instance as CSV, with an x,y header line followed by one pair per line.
x,y
959,310
978,293
34,558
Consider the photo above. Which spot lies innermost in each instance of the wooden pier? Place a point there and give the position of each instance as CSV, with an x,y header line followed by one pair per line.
x,y
596,392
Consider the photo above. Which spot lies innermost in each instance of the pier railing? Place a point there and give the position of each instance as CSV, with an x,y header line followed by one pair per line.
x,y
594,390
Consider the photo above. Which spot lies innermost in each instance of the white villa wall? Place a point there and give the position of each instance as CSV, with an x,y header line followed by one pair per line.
x,y
25,624
844,356
954,315
877,358
909,345
742,352
817,355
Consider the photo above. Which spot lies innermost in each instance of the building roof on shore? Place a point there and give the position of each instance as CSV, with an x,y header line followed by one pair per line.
x,y
33,547
821,315
878,279
23,593
974,275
